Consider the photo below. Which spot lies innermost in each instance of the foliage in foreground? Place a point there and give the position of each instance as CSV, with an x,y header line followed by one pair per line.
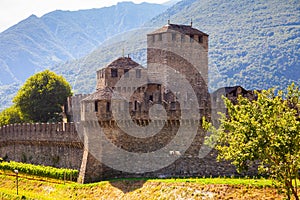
x,y
40,170
267,131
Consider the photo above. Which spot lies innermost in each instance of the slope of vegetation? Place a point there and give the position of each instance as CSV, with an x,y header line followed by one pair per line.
x,y
252,43
192,188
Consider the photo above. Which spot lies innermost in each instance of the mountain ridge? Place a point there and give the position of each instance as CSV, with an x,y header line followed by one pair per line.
x,y
36,43
254,43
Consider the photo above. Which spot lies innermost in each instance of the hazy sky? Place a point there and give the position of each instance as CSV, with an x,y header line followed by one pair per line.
x,y
13,11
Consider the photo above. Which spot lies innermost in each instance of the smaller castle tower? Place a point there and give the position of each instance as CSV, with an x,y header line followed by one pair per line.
x,y
111,74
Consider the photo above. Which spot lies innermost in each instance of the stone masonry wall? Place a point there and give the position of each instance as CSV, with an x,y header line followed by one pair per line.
x,y
189,163
54,144
59,145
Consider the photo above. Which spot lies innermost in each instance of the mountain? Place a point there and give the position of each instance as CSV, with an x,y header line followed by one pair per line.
x,y
38,43
254,43
81,73
171,2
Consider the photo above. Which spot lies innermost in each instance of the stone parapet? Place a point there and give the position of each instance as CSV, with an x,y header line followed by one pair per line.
x,y
54,144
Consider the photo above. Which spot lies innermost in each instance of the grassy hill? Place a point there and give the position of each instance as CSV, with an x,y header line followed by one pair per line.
x,y
193,188
252,43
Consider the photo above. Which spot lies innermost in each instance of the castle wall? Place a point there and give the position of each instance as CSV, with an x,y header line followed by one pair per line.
x,y
189,163
54,144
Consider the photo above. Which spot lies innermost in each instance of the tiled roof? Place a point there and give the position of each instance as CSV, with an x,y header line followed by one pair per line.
x,y
104,94
184,29
123,62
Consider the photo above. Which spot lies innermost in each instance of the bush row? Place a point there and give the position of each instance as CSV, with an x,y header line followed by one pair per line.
x,y
40,170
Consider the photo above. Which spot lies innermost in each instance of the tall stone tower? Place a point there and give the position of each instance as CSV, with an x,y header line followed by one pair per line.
x,y
183,50
172,43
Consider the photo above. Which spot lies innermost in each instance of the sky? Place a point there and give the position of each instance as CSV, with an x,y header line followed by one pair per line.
x,y
13,11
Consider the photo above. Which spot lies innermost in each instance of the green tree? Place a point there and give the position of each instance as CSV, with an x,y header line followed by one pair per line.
x,y
267,131
41,97
10,115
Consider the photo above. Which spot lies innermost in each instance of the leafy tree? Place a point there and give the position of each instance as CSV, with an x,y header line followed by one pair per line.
x,y
267,131
10,115
41,97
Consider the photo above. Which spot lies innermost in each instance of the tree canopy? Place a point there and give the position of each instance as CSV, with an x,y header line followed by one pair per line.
x,y
10,115
42,96
266,130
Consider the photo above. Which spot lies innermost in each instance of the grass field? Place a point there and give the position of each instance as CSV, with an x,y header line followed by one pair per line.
x,y
34,187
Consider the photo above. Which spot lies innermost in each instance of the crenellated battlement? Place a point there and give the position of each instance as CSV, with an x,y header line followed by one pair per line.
x,y
39,132
54,144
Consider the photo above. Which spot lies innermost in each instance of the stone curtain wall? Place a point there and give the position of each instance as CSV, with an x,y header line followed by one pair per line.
x,y
188,164
59,145
56,144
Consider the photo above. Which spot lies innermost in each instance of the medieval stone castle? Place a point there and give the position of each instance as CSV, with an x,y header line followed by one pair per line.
x,y
139,110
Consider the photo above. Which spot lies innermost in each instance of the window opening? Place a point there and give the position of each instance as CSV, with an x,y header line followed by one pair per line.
x,y
191,38
138,73
114,72
173,36
96,106
126,73
107,106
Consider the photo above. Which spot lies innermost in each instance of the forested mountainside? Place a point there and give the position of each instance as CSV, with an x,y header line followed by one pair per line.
x,y
37,43
252,43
